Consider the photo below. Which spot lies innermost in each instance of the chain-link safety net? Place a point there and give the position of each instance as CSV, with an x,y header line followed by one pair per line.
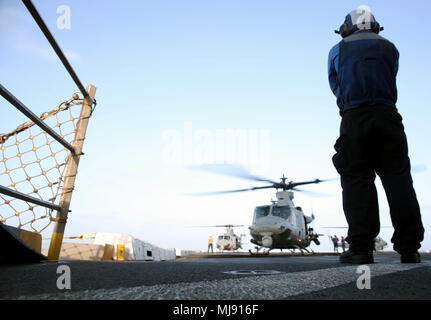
x,y
34,163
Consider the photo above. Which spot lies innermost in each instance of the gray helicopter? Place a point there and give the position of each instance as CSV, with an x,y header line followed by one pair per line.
x,y
280,225
229,240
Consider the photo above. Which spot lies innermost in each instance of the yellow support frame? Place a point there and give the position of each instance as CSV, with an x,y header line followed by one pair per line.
x,y
70,176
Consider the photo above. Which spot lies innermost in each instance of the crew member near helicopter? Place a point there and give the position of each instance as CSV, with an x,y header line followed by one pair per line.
x,y
335,243
362,75
343,243
210,244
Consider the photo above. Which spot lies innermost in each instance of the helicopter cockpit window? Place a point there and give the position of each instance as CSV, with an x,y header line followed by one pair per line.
x,y
261,212
282,212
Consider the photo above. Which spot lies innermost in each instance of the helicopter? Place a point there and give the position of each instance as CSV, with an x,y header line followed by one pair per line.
x,y
229,240
280,225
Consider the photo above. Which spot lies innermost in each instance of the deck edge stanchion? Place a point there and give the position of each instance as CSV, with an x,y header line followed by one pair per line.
x,y
70,176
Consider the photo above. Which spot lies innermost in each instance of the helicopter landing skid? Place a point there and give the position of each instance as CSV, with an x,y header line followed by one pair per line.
x,y
302,250
256,253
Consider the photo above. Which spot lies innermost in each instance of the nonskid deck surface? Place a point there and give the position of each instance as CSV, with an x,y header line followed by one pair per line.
x,y
214,276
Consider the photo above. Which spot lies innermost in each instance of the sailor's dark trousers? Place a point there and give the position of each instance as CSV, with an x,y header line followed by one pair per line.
x,y
372,140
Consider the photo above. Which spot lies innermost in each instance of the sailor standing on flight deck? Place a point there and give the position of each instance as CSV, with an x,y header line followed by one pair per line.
x,y
210,244
362,71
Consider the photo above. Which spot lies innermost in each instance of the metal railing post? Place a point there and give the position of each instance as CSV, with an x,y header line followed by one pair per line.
x,y
70,176
36,16
24,197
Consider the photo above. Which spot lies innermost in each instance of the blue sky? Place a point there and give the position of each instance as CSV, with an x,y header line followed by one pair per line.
x,y
172,76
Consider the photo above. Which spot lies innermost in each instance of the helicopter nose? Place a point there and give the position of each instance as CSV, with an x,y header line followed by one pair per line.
x,y
267,241
271,226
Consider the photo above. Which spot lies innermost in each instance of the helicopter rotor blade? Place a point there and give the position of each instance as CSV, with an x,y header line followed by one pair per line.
x,y
334,227
219,226
313,194
348,227
315,181
229,225
418,168
232,171
212,193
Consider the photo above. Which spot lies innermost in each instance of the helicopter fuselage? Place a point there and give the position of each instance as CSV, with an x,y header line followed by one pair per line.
x,y
228,243
229,240
281,225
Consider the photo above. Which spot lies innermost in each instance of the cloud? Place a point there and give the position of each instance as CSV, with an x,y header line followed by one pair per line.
x,y
44,52
17,32
11,18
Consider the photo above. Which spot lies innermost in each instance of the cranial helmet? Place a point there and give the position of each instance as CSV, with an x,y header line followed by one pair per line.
x,y
359,19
